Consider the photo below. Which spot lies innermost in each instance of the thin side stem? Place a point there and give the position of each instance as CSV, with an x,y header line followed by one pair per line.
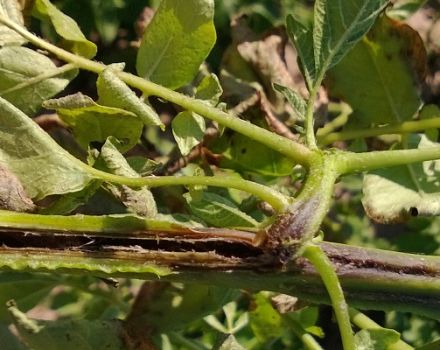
x,y
403,128
348,163
364,322
277,200
325,269
39,78
289,148
309,120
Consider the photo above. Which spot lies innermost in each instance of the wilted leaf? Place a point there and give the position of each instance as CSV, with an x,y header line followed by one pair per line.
x,y
20,68
92,122
338,26
218,211
66,28
188,130
375,339
139,201
397,193
376,78
25,147
11,9
12,194
114,92
68,335
176,42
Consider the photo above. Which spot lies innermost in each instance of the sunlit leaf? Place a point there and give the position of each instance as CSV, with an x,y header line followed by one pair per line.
x,y
228,342
66,28
11,9
294,98
91,122
176,42
377,77
24,79
114,92
209,89
265,321
218,211
375,339
188,130
397,193
25,147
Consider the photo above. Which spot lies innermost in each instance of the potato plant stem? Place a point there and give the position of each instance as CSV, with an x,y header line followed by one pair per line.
x,y
324,267
289,148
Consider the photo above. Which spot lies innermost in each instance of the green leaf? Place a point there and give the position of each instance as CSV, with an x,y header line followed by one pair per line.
x,y
188,130
427,112
11,9
209,89
397,193
114,92
25,147
176,42
66,28
91,122
385,89
139,201
106,16
12,194
294,98
228,342
375,339
27,289
27,78
68,335
302,38
249,155
266,322
338,26
217,210
174,306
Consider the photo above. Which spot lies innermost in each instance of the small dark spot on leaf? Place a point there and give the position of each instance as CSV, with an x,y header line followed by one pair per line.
x,y
243,151
413,211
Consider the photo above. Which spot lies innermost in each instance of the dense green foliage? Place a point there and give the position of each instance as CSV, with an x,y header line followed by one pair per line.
x,y
196,174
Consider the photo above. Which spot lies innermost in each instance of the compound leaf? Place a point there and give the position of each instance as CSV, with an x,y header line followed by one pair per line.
x,y
66,28
176,42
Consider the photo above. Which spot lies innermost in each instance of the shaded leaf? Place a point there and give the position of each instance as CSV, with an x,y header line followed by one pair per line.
x,y
140,200
385,89
106,16
91,122
217,210
338,26
114,92
176,42
24,147
11,9
20,68
428,112
66,28
375,339
68,335
188,130
249,155
294,98
8,340
397,193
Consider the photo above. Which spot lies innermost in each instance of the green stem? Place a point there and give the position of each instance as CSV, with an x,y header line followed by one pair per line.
x,y
39,78
277,200
403,128
309,119
357,162
289,148
307,339
325,269
364,322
